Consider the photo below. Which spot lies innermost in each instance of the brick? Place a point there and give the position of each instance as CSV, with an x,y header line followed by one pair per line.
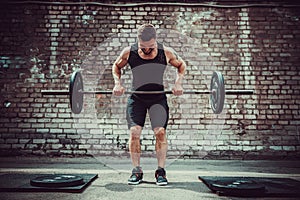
x,y
52,141
39,126
125,17
5,146
64,115
66,151
11,141
65,126
276,148
249,148
56,130
79,152
236,148
39,141
288,148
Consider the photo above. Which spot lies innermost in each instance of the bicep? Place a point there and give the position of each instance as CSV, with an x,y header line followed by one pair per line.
x,y
174,59
122,60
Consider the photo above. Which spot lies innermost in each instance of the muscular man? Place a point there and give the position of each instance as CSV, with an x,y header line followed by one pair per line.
x,y
148,60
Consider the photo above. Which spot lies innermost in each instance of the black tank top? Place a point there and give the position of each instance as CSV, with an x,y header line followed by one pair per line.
x,y
147,74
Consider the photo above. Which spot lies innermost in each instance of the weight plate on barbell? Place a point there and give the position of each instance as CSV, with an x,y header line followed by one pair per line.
x,y
58,180
217,95
76,97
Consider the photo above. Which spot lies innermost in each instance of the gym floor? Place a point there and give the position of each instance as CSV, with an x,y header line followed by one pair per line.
x,y
112,183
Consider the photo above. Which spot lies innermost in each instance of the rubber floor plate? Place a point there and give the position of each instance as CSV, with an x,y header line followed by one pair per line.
x,y
273,187
21,183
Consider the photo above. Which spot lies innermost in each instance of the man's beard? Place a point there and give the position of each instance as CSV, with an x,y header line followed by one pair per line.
x,y
147,53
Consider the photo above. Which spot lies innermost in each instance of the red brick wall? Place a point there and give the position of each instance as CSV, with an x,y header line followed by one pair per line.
x,y
255,47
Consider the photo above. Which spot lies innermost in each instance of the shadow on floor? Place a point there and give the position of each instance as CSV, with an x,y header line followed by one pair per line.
x,y
191,186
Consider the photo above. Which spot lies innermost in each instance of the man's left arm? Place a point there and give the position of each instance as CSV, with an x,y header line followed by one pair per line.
x,y
177,62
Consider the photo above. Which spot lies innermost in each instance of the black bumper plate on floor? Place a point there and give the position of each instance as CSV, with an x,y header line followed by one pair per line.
x,y
21,183
252,186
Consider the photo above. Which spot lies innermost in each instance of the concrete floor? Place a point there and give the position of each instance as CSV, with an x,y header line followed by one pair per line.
x,y
113,174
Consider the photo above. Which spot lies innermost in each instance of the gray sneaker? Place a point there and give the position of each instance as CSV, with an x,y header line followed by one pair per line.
x,y
136,176
161,178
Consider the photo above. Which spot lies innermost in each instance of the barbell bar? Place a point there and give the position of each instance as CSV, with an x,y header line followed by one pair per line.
x,y
67,92
217,92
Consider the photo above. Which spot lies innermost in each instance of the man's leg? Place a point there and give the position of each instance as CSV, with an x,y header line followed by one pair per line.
x,y
135,145
135,153
159,115
161,146
135,114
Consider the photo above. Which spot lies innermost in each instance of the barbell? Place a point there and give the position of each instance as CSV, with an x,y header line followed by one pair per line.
x,y
217,92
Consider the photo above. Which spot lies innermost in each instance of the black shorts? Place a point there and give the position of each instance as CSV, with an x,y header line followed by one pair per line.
x,y
137,109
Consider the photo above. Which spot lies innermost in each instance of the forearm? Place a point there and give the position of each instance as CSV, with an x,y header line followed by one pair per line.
x,y
116,72
180,73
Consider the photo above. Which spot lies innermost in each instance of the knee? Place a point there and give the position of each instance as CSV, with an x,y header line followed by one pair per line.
x,y
160,134
135,132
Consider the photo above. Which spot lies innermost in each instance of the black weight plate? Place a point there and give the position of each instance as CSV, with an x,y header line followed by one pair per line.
x,y
58,180
238,188
218,97
76,97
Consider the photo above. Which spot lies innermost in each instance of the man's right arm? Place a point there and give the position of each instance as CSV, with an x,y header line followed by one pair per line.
x,y
121,62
